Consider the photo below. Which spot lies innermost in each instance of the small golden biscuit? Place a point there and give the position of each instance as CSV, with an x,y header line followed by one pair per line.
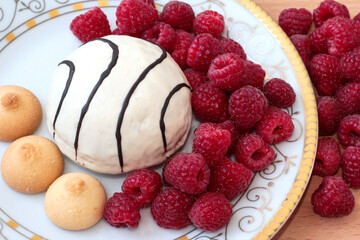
x,y
31,164
20,113
75,201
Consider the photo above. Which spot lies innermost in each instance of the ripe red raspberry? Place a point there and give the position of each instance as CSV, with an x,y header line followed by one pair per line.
x,y
162,34
328,157
211,142
181,47
227,72
325,73
195,78
230,46
255,74
229,178
90,25
209,21
357,17
275,126
333,198
279,93
350,164
246,106
178,14
211,212
350,65
231,127
118,31
329,115
318,41
303,46
209,103
329,9
349,131
254,153
150,2
188,172
133,16
295,21
171,208
143,185
180,57
202,51
121,210
349,98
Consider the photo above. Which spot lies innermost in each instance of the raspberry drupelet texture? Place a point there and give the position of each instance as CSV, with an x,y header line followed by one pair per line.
x,y
349,98
318,41
333,198
350,164
325,74
181,47
357,17
246,106
279,93
90,25
150,2
329,9
162,34
328,157
230,178
254,153
231,127
211,212
195,78
211,142
178,14
188,172
209,103
350,65
255,74
118,31
295,21
231,46
348,132
227,72
303,46
121,210
134,16
171,208
143,185
329,115
275,126
209,21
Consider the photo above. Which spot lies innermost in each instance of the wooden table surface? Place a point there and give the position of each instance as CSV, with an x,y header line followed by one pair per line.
x,y
304,224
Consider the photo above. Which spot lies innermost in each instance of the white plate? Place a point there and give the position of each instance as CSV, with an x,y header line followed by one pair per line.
x,y
35,37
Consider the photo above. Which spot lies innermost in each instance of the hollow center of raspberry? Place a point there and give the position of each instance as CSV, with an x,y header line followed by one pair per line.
x,y
278,130
257,155
354,135
137,191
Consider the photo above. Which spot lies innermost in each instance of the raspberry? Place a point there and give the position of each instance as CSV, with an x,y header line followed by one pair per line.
x,y
162,34
209,103
254,153
90,25
133,16
329,115
329,9
195,78
230,46
357,17
178,14
227,72
255,74
328,157
275,126
211,142
318,41
180,57
246,106
350,164
150,2
349,98
171,207
230,126
325,73
333,198
349,131
303,46
209,21
349,65
211,212
118,31
202,51
181,47
295,21
279,93
121,210
188,172
144,185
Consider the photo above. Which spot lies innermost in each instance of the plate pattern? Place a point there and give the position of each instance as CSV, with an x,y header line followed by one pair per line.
x,y
249,216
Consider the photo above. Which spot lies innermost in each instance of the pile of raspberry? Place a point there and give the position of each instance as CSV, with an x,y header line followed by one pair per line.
x,y
331,54
241,117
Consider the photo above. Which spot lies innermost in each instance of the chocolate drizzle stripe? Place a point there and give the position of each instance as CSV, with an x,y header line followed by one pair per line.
x,y
103,76
127,100
164,108
67,86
